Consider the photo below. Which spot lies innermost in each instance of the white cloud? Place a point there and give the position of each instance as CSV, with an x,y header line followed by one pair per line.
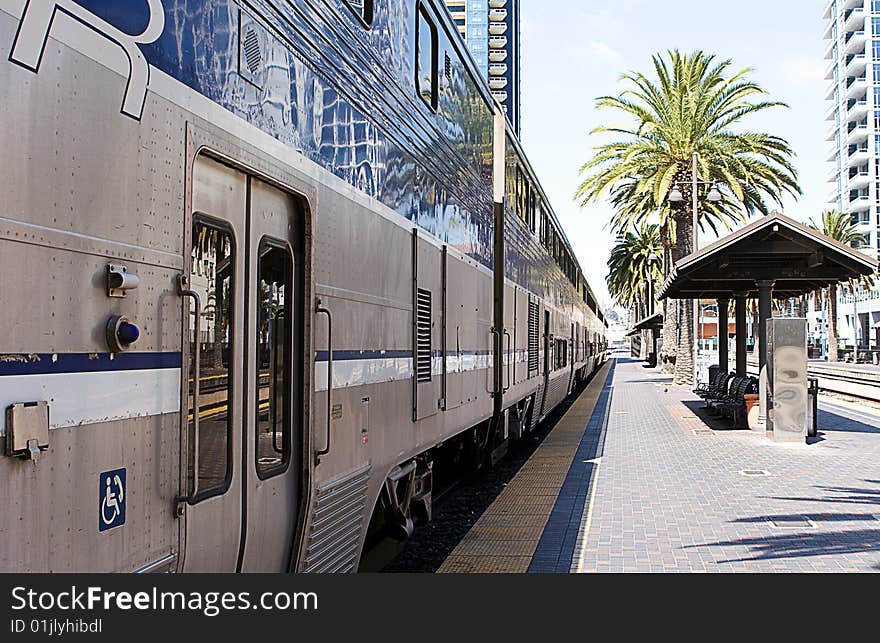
x,y
605,52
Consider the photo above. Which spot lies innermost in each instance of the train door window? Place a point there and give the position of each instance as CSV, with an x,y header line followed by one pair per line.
x,y
212,276
363,9
549,344
274,357
560,354
426,58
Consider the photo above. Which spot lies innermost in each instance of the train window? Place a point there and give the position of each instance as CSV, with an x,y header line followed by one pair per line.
x,y
426,58
520,194
212,270
274,358
561,353
532,211
363,9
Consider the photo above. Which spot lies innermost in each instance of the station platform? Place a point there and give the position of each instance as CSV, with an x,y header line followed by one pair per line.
x,y
636,477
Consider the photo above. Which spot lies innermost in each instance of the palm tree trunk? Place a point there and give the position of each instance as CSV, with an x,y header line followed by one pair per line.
x,y
684,360
832,323
670,309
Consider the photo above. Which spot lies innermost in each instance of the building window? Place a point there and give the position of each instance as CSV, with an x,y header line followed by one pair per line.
x,y
363,9
274,358
426,58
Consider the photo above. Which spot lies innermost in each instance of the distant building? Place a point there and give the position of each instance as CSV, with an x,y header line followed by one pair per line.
x,y
490,29
852,53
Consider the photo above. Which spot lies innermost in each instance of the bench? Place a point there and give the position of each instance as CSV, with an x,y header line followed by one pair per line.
x,y
733,404
716,389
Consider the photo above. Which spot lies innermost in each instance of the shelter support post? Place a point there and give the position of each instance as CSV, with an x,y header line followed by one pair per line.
x,y
723,335
741,333
765,312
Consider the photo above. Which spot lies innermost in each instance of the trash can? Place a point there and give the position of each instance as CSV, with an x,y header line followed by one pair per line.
x,y
713,371
812,406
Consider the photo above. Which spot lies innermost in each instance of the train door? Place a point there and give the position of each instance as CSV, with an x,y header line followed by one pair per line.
x,y
458,322
273,431
210,496
548,358
243,405
508,338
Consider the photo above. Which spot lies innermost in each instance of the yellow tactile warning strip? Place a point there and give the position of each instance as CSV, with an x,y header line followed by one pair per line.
x,y
505,537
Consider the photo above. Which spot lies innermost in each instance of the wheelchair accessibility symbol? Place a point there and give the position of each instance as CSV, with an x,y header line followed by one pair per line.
x,y
111,499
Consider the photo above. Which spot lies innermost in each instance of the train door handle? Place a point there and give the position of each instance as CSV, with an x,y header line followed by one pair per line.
x,y
184,291
320,310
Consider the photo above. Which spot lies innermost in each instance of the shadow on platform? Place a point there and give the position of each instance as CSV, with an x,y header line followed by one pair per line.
x,y
830,421
800,542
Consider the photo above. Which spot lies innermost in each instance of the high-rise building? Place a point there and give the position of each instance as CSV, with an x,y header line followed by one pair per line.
x,y
852,34
490,29
853,54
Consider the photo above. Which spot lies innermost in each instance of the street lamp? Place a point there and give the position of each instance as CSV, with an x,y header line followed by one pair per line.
x,y
714,196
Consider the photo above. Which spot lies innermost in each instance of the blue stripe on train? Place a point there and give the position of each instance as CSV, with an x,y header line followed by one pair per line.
x,y
60,363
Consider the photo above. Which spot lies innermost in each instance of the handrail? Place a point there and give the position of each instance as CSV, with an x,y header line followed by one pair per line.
x,y
496,352
509,378
184,291
320,310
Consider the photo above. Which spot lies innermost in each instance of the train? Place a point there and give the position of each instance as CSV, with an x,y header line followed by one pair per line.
x,y
262,263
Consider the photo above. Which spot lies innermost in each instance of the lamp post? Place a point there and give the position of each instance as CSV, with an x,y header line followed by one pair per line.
x,y
714,196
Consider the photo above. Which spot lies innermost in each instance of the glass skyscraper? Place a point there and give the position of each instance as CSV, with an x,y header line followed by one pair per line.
x,y
490,29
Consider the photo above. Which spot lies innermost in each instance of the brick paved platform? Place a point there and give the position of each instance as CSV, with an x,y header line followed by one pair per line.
x,y
536,519
670,495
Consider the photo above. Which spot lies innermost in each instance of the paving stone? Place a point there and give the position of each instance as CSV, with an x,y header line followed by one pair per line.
x,y
680,497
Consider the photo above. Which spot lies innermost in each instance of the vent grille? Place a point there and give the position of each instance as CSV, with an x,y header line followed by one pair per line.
x,y
533,337
447,67
253,54
423,335
337,517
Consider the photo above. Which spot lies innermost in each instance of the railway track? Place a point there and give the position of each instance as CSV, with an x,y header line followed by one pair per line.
x,y
458,505
856,383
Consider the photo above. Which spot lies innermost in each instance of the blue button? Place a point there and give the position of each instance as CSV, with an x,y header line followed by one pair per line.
x,y
128,333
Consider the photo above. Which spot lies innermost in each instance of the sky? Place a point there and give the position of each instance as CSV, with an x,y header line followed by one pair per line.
x,y
575,51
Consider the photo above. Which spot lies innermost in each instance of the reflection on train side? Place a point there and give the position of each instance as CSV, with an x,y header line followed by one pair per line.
x,y
275,283
212,277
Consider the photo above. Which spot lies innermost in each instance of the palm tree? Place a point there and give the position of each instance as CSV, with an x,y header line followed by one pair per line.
x,y
840,227
689,109
634,268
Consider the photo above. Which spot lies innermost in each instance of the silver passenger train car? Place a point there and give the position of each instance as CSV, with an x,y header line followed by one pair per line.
x,y
263,263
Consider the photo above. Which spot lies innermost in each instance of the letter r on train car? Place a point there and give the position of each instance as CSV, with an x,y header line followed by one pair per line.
x,y
39,17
